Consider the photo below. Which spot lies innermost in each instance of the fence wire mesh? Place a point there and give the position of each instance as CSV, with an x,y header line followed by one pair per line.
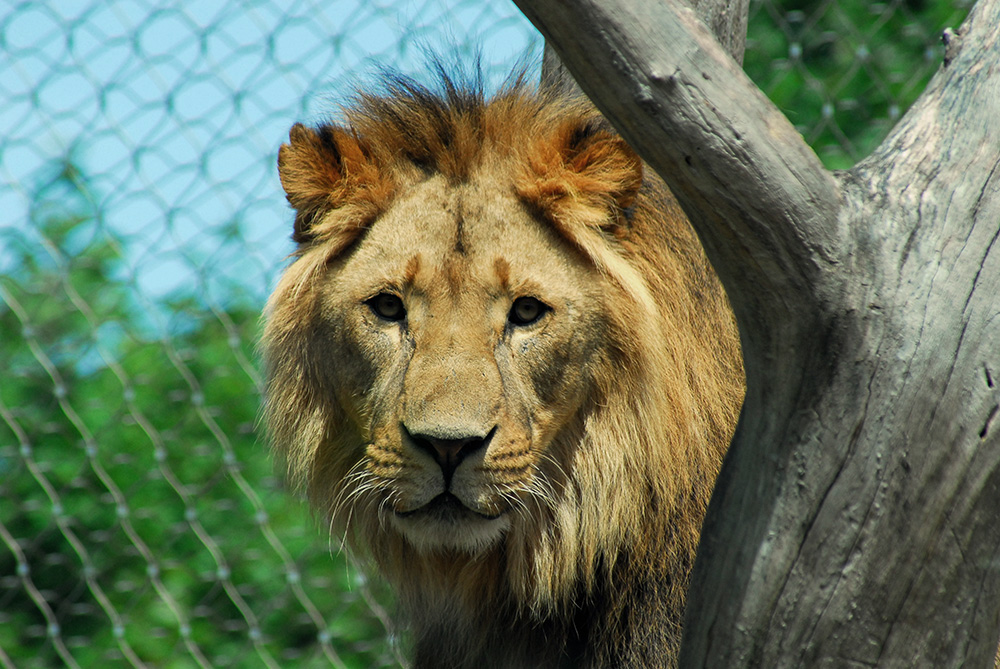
x,y
141,520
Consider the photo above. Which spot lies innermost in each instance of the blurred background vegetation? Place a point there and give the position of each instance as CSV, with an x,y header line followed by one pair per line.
x,y
142,522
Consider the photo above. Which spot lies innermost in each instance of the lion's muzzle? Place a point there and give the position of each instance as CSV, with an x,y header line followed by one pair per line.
x,y
449,452
447,503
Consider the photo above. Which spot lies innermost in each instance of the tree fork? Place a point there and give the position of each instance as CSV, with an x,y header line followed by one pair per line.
x,y
856,517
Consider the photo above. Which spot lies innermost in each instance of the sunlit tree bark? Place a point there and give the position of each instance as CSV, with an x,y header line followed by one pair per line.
x,y
856,521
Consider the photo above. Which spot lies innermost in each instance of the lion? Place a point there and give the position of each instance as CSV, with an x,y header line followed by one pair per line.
x,y
501,366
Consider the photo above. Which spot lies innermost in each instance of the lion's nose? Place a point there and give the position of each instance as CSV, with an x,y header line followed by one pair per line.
x,y
449,453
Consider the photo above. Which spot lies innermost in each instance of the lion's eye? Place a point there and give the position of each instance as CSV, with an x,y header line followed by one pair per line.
x,y
388,306
526,310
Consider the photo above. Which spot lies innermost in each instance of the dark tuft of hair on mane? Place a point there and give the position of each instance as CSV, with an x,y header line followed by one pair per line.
x,y
441,126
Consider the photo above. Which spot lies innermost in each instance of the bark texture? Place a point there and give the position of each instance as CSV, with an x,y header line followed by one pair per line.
x,y
727,19
857,518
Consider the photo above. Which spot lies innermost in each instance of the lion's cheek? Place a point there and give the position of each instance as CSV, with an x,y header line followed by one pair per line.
x,y
558,369
367,374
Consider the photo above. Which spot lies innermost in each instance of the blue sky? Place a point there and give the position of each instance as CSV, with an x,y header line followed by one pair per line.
x,y
175,111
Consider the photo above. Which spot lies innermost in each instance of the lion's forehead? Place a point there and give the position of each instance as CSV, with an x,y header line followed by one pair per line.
x,y
458,240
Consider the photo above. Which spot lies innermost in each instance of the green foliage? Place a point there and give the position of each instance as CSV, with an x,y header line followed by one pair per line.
x,y
136,502
845,71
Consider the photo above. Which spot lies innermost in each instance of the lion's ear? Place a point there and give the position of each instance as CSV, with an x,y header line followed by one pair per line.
x,y
327,169
584,172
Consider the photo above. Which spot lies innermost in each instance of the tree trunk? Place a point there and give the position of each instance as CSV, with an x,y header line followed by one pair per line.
x,y
856,521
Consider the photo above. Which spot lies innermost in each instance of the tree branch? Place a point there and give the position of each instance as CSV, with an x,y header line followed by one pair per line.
x,y
726,18
765,207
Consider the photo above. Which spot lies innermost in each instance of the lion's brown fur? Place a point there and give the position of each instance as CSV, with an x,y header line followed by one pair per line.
x,y
592,567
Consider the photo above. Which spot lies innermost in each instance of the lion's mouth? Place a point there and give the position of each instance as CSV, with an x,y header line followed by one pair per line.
x,y
446,507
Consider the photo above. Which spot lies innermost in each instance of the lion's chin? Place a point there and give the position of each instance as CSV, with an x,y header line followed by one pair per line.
x,y
445,523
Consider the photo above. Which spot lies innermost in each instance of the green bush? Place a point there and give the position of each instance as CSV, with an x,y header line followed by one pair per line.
x,y
844,72
141,518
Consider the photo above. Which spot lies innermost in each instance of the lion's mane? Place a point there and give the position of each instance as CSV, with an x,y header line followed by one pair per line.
x,y
593,571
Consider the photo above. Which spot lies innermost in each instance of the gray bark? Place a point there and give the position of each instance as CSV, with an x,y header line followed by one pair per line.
x,y
856,521
727,20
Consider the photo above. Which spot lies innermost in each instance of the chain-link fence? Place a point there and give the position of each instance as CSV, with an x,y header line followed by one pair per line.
x,y
141,224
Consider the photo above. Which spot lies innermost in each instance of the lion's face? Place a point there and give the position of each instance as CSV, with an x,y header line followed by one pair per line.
x,y
495,363
469,328
502,367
